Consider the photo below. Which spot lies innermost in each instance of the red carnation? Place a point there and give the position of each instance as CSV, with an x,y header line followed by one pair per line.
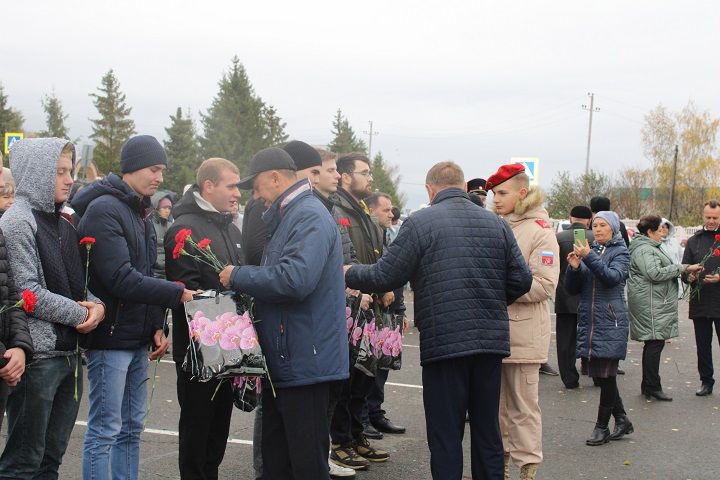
x,y
177,251
87,241
716,252
183,234
204,243
344,222
717,237
28,301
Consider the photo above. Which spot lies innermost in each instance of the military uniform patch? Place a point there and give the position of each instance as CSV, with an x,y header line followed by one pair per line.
x,y
547,258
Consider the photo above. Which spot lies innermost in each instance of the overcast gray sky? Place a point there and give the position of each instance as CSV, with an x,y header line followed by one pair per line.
x,y
474,81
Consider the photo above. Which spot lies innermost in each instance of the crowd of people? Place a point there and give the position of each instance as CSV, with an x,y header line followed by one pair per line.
x,y
316,247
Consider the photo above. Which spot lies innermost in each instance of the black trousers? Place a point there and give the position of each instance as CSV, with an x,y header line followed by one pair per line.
x,y
703,341
204,426
295,440
347,422
652,351
373,407
4,391
566,337
450,389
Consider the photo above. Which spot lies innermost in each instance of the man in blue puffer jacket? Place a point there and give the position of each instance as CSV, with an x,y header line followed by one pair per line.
x,y
300,312
465,267
116,212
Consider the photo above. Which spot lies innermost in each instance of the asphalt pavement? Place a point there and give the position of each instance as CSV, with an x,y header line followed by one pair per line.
x,y
672,440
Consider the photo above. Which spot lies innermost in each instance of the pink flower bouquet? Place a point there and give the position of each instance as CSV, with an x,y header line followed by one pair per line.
x,y
223,340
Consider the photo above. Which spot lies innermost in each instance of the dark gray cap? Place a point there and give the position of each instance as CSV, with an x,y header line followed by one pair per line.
x,y
265,160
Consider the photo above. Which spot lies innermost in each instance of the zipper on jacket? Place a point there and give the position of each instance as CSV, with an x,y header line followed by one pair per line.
x,y
612,312
115,320
280,341
652,314
592,320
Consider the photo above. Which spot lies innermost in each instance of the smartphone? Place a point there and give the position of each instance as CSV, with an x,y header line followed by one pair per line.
x,y
579,236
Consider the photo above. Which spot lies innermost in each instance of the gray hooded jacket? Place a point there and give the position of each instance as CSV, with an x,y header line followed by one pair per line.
x,y
34,165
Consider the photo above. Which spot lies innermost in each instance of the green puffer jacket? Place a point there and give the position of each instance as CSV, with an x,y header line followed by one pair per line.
x,y
652,291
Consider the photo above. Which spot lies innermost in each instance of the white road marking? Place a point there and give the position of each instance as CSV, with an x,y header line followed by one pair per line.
x,y
171,433
407,385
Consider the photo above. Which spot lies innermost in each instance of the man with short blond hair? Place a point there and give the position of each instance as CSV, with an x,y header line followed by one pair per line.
x,y
205,407
520,416
212,169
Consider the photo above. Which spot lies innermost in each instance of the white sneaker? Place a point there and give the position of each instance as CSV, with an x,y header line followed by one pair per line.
x,y
336,471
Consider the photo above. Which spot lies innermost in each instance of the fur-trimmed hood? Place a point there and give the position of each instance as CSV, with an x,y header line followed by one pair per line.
x,y
529,207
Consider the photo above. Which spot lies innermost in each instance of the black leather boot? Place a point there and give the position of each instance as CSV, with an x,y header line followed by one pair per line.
x,y
623,426
601,434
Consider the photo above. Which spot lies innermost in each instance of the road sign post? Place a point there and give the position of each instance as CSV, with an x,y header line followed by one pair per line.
x,y
10,138
532,167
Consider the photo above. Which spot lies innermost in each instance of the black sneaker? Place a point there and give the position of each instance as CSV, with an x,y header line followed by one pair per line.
x,y
546,369
347,457
365,450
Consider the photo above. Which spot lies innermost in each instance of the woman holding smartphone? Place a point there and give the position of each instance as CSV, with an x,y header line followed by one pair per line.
x,y
597,272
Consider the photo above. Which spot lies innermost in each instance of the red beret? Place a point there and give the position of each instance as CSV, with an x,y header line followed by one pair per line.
x,y
504,173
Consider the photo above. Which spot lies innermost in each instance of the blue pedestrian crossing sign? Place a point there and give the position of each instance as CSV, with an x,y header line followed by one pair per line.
x,y
10,138
532,167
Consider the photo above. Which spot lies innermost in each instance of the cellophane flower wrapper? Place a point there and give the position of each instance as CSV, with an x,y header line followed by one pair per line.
x,y
387,342
381,344
223,340
246,392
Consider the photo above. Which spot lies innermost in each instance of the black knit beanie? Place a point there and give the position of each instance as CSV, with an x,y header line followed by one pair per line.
x,y
141,152
303,155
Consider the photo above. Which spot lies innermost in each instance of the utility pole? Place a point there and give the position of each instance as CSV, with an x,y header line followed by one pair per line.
x,y
591,109
672,186
370,134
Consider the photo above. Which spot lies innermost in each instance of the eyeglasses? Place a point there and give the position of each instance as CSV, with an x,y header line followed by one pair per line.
x,y
364,174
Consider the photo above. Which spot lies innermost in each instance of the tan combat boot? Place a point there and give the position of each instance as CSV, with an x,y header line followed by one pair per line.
x,y
528,471
506,458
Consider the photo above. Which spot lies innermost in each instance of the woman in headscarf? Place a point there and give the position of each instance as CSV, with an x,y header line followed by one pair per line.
x,y
162,202
653,300
598,273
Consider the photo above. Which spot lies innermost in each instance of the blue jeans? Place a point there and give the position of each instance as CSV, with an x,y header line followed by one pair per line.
x,y
117,401
41,413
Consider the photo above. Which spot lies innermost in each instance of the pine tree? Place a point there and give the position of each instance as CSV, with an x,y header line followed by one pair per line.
x,y
55,117
183,151
113,128
344,139
11,120
238,123
387,180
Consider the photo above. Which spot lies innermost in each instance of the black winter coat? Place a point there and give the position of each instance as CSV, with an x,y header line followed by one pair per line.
x,y
226,241
707,304
465,267
255,233
564,302
14,331
121,265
